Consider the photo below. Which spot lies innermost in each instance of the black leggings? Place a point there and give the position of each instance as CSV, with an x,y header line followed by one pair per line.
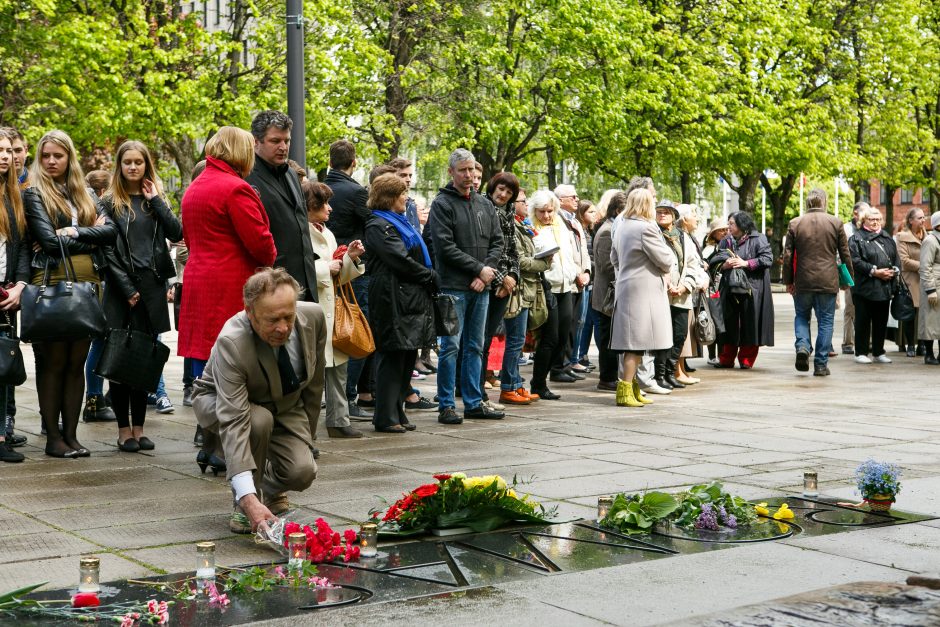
x,y
124,397
552,339
60,382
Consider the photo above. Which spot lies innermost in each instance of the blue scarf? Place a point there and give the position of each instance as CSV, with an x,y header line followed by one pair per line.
x,y
409,236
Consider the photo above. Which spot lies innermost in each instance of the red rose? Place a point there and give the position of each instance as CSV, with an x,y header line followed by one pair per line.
x,y
290,528
442,478
85,599
350,536
427,490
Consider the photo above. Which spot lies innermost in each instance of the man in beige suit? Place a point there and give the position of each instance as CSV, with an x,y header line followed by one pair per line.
x,y
260,393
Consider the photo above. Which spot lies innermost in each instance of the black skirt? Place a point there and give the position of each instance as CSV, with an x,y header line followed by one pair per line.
x,y
152,305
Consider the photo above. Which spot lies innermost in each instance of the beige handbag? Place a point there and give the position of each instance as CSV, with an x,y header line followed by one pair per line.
x,y
351,332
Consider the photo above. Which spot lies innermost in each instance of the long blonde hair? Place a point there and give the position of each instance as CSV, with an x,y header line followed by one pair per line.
x,y
117,192
10,191
640,204
55,202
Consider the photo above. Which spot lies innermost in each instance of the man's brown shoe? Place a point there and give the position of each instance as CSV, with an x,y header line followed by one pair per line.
x,y
511,397
343,432
278,504
527,394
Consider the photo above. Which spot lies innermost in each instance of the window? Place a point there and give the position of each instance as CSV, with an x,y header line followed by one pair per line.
x,y
907,196
864,191
882,194
218,11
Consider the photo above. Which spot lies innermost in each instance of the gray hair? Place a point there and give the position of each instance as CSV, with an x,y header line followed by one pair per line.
x,y
639,182
860,206
459,155
266,281
816,199
267,119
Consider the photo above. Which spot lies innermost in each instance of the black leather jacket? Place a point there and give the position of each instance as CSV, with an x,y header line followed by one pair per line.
x,y
17,251
120,266
42,230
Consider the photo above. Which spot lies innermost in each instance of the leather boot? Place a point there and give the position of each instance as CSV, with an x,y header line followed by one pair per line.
x,y
669,374
661,380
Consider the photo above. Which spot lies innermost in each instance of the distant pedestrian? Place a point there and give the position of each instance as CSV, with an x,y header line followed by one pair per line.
x,y
875,259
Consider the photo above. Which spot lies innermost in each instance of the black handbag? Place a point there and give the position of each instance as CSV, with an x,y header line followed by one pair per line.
x,y
902,305
551,301
67,311
12,368
134,358
446,322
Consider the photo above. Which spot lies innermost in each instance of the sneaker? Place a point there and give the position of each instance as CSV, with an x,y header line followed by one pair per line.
x,y
862,359
96,410
239,523
9,455
802,360
164,406
418,376
524,361
188,396
493,406
366,403
713,361
821,371
655,389
152,399
848,349
15,441
357,413
483,412
510,397
421,404
448,416
882,359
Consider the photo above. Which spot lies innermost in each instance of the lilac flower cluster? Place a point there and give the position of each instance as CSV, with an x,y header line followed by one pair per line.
x,y
707,519
728,520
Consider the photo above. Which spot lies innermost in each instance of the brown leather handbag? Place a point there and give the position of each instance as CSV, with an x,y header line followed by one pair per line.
x,y
351,332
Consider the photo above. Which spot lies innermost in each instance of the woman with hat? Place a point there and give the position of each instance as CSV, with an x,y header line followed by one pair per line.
x,y
716,232
929,319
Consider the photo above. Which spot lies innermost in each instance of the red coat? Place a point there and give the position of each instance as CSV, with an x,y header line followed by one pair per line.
x,y
228,235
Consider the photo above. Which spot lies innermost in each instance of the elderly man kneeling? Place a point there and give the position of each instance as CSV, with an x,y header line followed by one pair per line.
x,y
260,392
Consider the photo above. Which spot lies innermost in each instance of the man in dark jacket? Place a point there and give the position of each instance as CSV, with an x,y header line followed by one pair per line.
x,y
467,242
279,188
816,242
347,223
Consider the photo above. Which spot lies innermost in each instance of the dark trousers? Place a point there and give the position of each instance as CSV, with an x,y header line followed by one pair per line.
x,y
552,339
393,385
871,325
607,359
564,357
680,330
360,373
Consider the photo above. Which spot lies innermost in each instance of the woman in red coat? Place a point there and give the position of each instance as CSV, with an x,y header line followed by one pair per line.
x,y
228,234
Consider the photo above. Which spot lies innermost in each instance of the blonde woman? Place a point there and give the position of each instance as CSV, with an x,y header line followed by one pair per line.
x,y
641,320
139,268
560,279
59,209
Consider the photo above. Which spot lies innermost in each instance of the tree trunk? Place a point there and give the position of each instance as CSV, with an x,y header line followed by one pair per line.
x,y
183,151
550,159
889,207
685,183
745,189
778,198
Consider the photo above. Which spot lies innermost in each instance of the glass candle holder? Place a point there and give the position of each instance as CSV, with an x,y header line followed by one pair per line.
x,y
604,503
88,574
810,484
205,565
297,547
368,540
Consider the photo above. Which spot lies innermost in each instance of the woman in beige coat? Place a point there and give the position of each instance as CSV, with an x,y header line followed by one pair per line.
x,y
641,320
909,242
331,273
929,319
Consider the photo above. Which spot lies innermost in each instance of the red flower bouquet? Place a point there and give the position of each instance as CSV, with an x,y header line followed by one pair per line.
x,y
323,544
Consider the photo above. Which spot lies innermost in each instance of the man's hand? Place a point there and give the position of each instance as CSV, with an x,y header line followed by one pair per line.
x,y
171,294
487,274
791,289
502,292
477,285
509,283
255,510
933,299
582,279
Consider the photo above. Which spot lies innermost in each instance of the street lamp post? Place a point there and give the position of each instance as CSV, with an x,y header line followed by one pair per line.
x,y
295,80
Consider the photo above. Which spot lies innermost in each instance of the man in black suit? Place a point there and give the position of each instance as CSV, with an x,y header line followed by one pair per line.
x,y
283,200
348,222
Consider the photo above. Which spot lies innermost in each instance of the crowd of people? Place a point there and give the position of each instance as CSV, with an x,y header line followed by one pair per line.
x,y
512,272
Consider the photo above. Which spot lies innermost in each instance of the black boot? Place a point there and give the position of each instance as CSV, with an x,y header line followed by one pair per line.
x,y
929,358
670,374
97,410
661,380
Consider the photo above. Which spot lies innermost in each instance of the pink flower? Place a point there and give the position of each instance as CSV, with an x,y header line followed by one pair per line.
x,y
152,606
128,620
279,571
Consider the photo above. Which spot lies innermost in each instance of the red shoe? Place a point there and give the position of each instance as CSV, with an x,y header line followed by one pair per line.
x,y
511,398
527,394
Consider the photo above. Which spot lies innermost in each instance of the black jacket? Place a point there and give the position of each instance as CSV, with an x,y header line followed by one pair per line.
x,y
467,235
350,212
283,200
872,251
42,230
17,252
401,314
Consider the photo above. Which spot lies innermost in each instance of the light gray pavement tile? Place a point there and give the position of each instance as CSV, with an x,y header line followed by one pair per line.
x,y
644,459
100,480
861,454
893,429
751,458
711,450
598,449
45,544
158,533
234,551
572,467
702,583
129,493
163,507
481,607
913,547
62,572
473,461
654,442
820,433
763,442
709,470
354,508
626,481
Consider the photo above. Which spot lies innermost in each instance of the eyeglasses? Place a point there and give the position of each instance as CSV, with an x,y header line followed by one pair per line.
x,y
522,201
575,196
